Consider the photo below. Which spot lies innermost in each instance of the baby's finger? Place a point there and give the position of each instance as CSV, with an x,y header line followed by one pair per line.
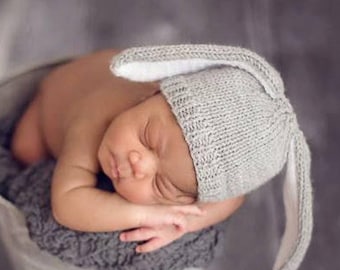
x,y
140,234
151,245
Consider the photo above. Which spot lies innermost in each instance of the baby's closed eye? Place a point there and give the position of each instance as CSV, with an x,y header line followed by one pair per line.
x,y
150,136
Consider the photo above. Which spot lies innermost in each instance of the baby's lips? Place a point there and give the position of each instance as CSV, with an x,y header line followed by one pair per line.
x,y
114,170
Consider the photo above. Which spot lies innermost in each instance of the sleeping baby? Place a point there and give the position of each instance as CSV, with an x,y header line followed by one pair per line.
x,y
90,120
183,133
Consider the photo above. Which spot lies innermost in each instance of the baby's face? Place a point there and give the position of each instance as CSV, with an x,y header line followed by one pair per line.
x,y
144,153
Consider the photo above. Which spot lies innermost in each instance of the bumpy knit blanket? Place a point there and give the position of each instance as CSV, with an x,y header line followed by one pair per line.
x,y
29,189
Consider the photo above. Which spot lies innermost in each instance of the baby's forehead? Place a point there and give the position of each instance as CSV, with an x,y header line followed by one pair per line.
x,y
158,105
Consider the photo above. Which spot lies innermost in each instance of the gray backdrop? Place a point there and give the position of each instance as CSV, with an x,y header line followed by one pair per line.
x,y
300,38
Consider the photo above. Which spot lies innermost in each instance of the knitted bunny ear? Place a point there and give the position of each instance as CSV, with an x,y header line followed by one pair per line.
x,y
297,195
156,63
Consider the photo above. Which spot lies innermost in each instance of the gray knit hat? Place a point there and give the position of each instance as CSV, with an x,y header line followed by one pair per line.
x,y
240,128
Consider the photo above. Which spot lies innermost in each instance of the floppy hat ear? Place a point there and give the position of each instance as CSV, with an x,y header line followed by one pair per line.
x,y
297,195
159,62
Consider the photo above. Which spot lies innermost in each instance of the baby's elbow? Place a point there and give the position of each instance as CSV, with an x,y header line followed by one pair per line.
x,y
66,213
61,214
58,213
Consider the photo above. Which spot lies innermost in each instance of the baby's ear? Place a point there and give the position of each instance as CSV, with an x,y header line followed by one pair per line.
x,y
160,62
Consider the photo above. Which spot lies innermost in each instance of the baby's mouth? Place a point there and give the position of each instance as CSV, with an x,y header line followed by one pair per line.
x,y
114,168
121,169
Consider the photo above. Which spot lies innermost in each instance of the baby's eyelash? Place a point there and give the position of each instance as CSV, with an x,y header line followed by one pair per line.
x,y
145,138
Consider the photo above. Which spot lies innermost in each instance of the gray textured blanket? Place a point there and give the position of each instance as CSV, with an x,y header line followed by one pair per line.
x,y
29,190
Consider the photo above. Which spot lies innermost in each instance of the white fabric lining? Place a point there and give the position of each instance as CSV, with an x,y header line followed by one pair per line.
x,y
153,71
158,70
290,198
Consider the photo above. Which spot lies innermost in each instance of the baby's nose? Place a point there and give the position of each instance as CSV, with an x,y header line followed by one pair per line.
x,y
142,165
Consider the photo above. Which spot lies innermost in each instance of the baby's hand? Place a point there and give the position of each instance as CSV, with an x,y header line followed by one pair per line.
x,y
160,225
155,237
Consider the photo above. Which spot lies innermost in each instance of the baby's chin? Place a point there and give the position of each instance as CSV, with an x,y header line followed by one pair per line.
x,y
132,196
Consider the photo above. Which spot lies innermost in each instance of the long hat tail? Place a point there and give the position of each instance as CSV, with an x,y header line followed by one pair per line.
x,y
297,195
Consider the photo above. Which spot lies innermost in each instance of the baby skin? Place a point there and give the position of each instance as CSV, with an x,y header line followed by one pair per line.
x,y
91,121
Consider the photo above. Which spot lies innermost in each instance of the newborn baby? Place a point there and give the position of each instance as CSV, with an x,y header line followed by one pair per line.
x,y
201,126
91,120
